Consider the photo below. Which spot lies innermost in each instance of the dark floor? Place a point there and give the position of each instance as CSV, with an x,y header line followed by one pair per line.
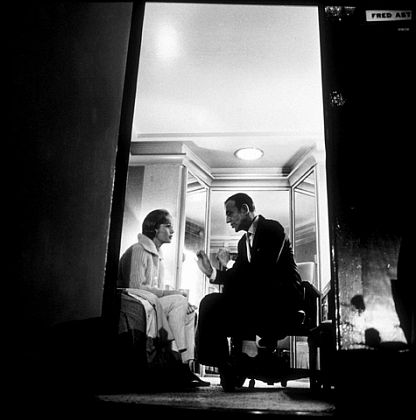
x,y
272,401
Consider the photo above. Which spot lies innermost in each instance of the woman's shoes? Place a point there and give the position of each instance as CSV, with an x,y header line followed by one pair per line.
x,y
191,379
196,381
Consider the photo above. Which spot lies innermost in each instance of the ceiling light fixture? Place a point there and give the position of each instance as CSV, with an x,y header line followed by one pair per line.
x,y
167,42
249,153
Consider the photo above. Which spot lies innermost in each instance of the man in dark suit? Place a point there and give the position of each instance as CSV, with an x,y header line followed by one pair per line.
x,y
262,291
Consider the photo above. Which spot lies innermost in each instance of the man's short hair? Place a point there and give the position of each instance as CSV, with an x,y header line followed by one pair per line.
x,y
240,199
153,220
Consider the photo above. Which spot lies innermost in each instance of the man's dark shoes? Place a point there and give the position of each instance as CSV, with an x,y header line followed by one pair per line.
x,y
228,378
243,364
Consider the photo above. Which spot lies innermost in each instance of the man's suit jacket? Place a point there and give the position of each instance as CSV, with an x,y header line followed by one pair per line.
x,y
270,283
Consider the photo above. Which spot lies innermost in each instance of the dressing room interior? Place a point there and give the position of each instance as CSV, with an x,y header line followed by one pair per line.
x,y
121,108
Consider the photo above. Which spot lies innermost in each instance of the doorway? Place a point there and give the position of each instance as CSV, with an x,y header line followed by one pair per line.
x,y
214,78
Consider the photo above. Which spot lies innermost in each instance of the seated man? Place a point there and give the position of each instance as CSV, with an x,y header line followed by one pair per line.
x,y
262,291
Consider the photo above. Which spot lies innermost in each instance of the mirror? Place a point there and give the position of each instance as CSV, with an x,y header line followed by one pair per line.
x,y
195,238
305,250
305,229
132,207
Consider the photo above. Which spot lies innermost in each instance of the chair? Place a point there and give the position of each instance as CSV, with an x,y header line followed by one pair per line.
x,y
312,296
276,366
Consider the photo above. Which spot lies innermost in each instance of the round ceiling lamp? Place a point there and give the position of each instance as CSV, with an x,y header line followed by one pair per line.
x,y
249,153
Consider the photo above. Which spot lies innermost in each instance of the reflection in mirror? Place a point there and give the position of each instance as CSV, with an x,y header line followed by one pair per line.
x,y
195,235
305,240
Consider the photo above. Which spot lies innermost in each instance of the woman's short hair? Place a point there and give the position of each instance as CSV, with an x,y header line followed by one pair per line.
x,y
153,220
240,199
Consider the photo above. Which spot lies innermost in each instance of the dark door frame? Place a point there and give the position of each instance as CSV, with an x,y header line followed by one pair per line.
x,y
109,306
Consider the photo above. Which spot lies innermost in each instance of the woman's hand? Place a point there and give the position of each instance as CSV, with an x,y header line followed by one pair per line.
x,y
191,308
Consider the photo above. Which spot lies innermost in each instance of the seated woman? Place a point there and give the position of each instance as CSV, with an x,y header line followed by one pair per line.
x,y
141,268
